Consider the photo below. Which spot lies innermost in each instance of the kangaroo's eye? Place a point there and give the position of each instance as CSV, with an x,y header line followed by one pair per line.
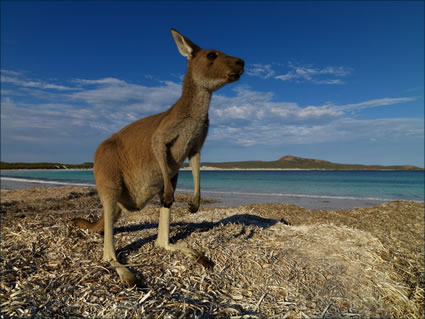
x,y
212,56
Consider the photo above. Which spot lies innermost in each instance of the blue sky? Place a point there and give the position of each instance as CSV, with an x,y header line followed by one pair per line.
x,y
340,81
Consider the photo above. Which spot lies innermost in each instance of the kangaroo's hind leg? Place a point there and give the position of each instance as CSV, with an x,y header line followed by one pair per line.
x,y
111,210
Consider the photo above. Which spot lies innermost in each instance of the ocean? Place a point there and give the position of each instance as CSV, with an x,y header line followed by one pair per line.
x,y
259,186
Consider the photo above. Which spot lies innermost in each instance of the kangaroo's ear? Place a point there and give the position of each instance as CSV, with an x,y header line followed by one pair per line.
x,y
186,47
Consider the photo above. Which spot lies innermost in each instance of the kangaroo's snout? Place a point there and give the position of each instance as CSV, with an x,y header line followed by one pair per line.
x,y
237,69
240,62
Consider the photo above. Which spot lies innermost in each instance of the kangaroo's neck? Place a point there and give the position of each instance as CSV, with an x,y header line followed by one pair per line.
x,y
195,99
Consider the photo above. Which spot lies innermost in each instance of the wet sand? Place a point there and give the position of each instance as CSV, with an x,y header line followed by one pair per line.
x,y
233,199
317,203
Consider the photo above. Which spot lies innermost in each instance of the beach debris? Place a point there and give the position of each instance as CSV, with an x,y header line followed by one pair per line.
x,y
362,263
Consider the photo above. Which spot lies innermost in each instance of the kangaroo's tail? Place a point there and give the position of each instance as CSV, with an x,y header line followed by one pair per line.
x,y
85,224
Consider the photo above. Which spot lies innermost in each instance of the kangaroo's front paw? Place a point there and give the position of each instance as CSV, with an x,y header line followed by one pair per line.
x,y
193,207
167,199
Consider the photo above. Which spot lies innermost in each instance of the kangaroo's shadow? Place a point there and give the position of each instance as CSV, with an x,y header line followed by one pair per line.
x,y
186,229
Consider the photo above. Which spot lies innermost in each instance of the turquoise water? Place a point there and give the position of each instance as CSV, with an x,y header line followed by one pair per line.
x,y
385,185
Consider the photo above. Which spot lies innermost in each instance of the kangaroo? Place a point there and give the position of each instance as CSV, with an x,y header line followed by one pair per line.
x,y
143,159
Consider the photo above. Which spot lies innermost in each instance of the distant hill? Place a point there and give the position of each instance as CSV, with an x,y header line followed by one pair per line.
x,y
5,165
285,162
293,162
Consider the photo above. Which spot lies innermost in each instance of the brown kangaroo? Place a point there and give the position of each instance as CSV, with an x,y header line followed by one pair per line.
x,y
143,159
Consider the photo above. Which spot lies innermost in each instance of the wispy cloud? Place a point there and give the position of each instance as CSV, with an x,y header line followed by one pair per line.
x,y
86,107
10,72
16,78
114,95
104,81
345,130
300,73
263,71
376,103
251,105
254,118
309,73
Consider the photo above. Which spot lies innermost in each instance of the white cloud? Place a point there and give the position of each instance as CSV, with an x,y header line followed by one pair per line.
x,y
10,72
6,92
261,70
319,111
104,81
341,131
59,118
101,106
242,112
301,73
116,95
308,73
259,106
328,81
269,122
376,103
337,71
16,78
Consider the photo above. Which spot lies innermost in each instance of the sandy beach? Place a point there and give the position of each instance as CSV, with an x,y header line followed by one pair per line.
x,y
271,260
233,199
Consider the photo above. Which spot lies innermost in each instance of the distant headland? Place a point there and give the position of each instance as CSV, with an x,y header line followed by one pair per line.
x,y
294,162
285,162
43,165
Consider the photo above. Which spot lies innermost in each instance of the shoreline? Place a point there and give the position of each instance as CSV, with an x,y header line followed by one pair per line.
x,y
210,168
229,199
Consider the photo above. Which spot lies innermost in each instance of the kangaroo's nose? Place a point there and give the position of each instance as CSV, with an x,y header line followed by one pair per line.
x,y
240,62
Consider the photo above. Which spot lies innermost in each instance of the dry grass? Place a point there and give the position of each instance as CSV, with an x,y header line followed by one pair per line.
x,y
275,260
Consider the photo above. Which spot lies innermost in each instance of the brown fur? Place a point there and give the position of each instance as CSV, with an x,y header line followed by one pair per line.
x,y
143,159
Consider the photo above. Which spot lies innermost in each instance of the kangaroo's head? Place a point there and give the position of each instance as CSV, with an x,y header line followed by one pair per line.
x,y
209,69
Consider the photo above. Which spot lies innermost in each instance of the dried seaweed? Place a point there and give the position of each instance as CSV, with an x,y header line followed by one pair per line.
x,y
274,260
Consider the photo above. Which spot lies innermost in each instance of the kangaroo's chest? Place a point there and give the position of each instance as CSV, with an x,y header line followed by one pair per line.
x,y
190,138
